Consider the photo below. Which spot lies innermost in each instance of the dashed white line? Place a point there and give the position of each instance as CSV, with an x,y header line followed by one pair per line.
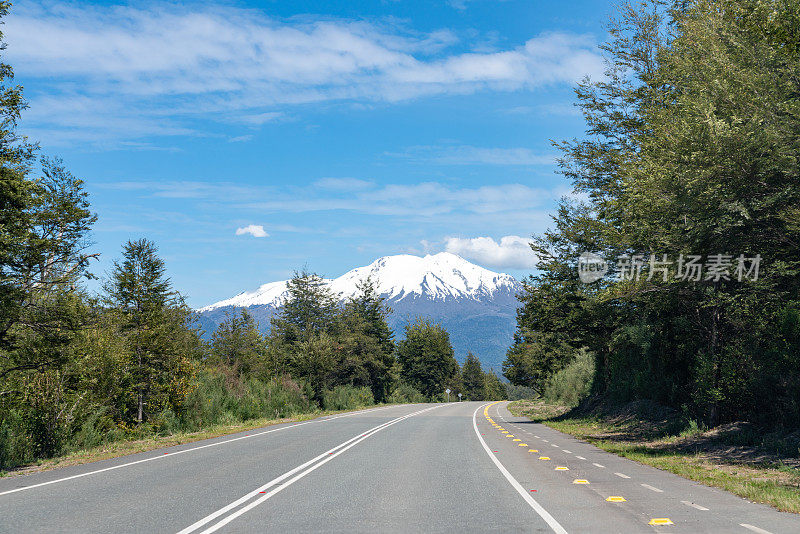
x,y
598,465
579,457
544,514
648,486
622,475
545,441
535,436
693,505
754,529
568,452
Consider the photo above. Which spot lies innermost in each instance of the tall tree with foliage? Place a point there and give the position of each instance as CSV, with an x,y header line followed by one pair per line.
x,y
473,378
691,148
426,357
367,344
238,344
153,319
310,309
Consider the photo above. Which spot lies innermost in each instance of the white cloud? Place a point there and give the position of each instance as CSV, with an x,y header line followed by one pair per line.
x,y
512,252
133,72
255,230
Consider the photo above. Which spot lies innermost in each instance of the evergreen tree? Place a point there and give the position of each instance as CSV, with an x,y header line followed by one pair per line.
x,y
495,389
310,310
366,339
238,344
473,378
154,321
426,357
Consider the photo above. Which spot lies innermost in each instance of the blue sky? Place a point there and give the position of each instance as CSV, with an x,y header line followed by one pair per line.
x,y
249,139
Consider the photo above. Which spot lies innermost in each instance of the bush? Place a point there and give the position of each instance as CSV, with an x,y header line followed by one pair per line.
x,y
520,392
219,398
571,384
347,398
16,445
406,394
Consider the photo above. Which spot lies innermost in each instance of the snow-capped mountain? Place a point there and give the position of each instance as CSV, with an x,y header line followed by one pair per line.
x,y
437,277
477,306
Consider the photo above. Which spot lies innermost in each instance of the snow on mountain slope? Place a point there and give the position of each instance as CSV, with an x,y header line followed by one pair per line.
x,y
435,277
475,305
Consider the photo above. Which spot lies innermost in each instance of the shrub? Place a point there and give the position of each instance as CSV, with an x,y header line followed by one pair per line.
x,y
347,398
571,384
406,394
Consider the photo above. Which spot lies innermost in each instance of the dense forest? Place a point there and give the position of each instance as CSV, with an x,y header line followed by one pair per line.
x,y
79,370
691,159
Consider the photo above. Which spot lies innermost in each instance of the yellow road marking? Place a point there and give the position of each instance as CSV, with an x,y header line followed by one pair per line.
x,y
510,435
580,481
562,468
544,457
660,521
504,432
533,450
517,439
522,445
616,498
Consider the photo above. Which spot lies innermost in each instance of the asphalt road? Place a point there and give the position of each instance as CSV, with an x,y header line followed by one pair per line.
x,y
418,468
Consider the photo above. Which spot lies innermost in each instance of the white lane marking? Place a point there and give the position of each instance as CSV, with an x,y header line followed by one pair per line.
x,y
315,463
599,465
648,486
754,529
545,441
693,505
171,454
622,475
535,436
568,452
579,457
544,514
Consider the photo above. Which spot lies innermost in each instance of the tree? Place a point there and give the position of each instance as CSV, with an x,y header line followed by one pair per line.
x,y
495,389
154,321
238,344
310,309
691,148
426,357
366,339
473,378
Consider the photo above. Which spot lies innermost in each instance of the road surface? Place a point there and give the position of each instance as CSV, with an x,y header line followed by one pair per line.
x,y
457,467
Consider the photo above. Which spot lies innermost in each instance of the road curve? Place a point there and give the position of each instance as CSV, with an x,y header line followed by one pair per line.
x,y
469,467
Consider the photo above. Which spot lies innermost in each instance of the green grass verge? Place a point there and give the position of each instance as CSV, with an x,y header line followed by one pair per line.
x,y
116,449
771,483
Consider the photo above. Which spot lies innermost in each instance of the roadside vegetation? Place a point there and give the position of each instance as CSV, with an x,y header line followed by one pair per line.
x,y
737,457
691,149
88,376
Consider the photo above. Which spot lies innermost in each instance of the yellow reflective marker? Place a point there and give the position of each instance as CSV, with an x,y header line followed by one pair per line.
x,y
533,450
522,445
504,432
517,439
510,435
562,468
616,498
580,481
544,457
660,521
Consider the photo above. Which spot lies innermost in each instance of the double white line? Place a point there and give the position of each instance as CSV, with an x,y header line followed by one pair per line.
x,y
286,480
